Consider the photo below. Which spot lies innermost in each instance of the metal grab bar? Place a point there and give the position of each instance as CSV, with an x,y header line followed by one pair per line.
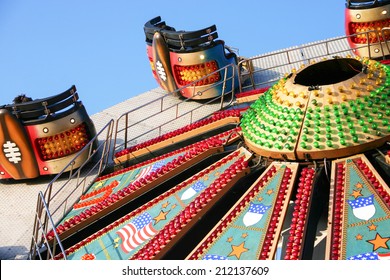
x,y
124,128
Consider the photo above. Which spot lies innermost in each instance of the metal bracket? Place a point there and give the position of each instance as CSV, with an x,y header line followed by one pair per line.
x,y
47,110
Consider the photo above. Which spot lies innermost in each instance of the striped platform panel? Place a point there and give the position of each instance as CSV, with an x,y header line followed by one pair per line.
x,y
250,96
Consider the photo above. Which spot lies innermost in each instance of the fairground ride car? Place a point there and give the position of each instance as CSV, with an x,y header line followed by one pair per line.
x,y
40,137
192,63
367,25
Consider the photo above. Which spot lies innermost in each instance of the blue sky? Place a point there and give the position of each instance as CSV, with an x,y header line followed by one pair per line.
x,y
99,46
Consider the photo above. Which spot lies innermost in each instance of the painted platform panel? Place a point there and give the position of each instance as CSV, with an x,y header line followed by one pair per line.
x,y
163,217
114,190
251,229
359,213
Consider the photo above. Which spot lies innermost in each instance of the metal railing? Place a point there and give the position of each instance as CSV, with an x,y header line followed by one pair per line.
x,y
160,116
65,189
40,245
265,70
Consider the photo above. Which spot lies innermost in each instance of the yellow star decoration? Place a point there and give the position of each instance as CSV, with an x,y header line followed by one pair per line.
x,y
160,217
67,220
372,227
379,242
230,239
217,174
356,193
173,206
244,235
260,198
387,158
116,241
165,205
359,185
238,250
270,191
206,177
98,185
359,237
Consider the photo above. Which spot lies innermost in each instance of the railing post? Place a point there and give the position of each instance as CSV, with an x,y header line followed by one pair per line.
x,y
380,42
234,73
327,48
38,214
385,41
223,88
126,125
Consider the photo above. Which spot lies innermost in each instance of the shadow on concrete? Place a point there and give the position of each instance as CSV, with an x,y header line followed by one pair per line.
x,y
13,253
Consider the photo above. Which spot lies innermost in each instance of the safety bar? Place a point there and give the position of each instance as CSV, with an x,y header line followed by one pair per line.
x,y
179,38
365,4
44,106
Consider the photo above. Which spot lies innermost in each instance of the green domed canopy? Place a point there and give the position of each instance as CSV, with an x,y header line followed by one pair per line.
x,y
329,109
